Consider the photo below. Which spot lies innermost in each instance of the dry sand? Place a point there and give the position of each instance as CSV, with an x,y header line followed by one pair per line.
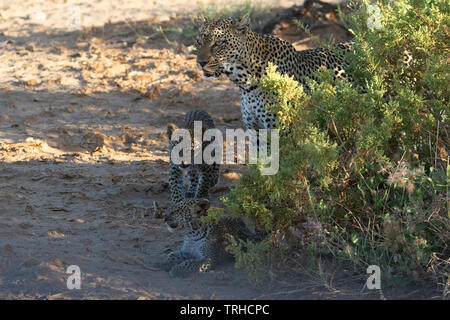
x,y
83,151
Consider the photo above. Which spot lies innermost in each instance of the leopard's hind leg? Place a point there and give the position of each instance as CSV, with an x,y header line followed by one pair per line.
x,y
176,184
189,267
208,179
172,259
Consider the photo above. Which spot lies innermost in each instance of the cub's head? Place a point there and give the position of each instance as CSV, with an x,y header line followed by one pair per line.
x,y
220,41
186,213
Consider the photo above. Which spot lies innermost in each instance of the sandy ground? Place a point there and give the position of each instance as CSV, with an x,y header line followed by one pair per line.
x,y
83,151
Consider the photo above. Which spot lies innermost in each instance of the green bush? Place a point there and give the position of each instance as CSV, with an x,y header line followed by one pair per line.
x,y
364,174
256,258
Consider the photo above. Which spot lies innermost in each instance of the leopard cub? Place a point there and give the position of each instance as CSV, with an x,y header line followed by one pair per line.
x,y
204,246
201,177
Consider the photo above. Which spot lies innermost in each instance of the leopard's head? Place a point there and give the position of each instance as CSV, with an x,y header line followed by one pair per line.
x,y
186,213
220,41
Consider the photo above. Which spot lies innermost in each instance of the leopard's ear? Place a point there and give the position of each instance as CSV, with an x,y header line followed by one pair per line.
x,y
203,203
171,127
243,24
201,20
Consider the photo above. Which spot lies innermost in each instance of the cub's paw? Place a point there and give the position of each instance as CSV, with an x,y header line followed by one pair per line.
x,y
184,269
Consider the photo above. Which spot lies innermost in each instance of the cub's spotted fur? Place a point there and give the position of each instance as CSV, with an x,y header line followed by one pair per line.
x,y
201,177
204,246
231,48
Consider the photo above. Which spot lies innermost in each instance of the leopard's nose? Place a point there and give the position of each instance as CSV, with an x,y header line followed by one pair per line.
x,y
202,63
172,224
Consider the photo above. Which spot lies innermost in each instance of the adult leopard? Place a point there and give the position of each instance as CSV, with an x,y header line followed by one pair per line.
x,y
229,47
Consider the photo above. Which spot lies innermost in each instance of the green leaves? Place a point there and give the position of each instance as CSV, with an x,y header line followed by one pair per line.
x,y
213,216
370,168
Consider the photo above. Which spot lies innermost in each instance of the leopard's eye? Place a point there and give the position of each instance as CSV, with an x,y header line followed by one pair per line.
x,y
219,43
